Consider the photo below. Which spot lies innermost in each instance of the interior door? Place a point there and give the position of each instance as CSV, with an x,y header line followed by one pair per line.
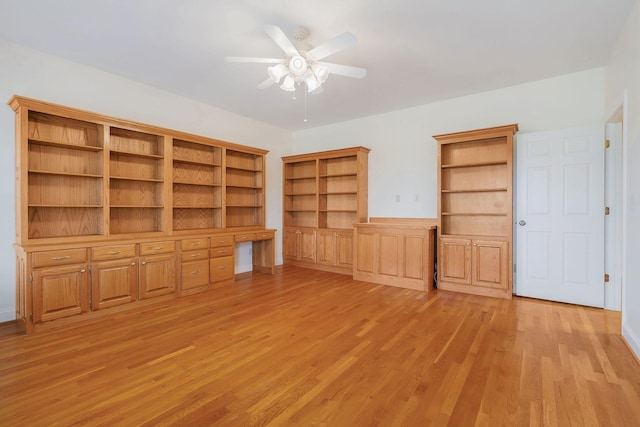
x,y
560,215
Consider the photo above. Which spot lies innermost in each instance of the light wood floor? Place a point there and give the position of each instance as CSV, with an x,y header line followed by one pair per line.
x,y
307,348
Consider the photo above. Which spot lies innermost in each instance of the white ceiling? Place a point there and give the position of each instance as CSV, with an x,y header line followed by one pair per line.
x,y
415,51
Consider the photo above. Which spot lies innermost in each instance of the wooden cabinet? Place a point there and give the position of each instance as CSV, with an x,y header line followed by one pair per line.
x,y
221,260
396,252
475,211
335,248
60,292
324,191
300,245
194,266
114,283
157,275
117,198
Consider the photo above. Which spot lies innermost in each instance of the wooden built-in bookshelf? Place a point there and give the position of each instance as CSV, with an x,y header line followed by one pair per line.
x,y
105,208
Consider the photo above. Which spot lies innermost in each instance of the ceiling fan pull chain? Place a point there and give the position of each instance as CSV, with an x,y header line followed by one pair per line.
x,y
305,106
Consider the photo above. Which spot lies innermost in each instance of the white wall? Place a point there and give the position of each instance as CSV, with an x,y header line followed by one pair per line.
x,y
48,78
622,75
403,155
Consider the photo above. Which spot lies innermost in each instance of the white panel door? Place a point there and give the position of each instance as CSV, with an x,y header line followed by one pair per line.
x,y
560,215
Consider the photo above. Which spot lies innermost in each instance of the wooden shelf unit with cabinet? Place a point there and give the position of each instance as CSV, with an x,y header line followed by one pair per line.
x,y
104,207
475,211
324,195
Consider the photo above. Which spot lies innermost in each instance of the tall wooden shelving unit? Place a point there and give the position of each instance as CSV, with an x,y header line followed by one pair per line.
x,y
325,194
475,211
112,212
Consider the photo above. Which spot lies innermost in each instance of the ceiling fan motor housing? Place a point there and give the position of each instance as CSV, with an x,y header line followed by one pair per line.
x,y
298,65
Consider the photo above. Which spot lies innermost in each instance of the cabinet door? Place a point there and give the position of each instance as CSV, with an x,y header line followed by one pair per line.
x,y
157,275
344,249
454,260
365,255
326,247
490,260
291,244
60,292
308,246
113,283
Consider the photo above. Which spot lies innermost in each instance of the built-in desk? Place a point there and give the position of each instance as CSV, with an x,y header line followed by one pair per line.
x,y
396,252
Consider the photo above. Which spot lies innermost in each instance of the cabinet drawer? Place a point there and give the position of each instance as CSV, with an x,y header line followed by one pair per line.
x,y
217,241
220,269
264,235
195,274
220,252
59,257
191,244
102,253
157,247
195,255
247,237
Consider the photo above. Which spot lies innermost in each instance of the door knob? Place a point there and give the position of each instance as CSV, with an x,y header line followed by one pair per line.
x,y
522,222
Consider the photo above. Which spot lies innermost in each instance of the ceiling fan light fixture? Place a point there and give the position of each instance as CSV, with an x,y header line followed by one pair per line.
x,y
320,71
312,82
289,84
277,72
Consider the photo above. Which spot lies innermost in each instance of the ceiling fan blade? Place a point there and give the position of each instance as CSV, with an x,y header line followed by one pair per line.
x,y
334,45
265,84
261,60
345,70
281,40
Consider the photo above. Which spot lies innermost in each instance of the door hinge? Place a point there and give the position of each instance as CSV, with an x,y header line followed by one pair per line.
x,y
31,277
607,143
90,305
31,317
606,278
607,210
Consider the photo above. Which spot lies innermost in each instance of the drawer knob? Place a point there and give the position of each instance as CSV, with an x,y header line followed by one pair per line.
x,y
195,244
220,267
195,272
113,252
157,248
194,255
60,258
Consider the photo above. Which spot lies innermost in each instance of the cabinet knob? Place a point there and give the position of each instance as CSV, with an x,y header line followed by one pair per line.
x,y
83,270
220,267
195,272
157,248
133,263
114,252
194,255
143,263
60,258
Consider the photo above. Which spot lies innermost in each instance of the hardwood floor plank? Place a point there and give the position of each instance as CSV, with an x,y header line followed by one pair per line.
x,y
306,347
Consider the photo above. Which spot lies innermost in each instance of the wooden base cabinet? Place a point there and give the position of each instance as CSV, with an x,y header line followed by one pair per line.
x,y
477,266
399,253
335,248
300,245
60,292
114,283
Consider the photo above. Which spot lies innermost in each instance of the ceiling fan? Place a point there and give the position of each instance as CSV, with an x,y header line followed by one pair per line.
x,y
303,64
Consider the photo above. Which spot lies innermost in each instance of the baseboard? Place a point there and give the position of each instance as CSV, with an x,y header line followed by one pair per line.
x,y
632,341
7,315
